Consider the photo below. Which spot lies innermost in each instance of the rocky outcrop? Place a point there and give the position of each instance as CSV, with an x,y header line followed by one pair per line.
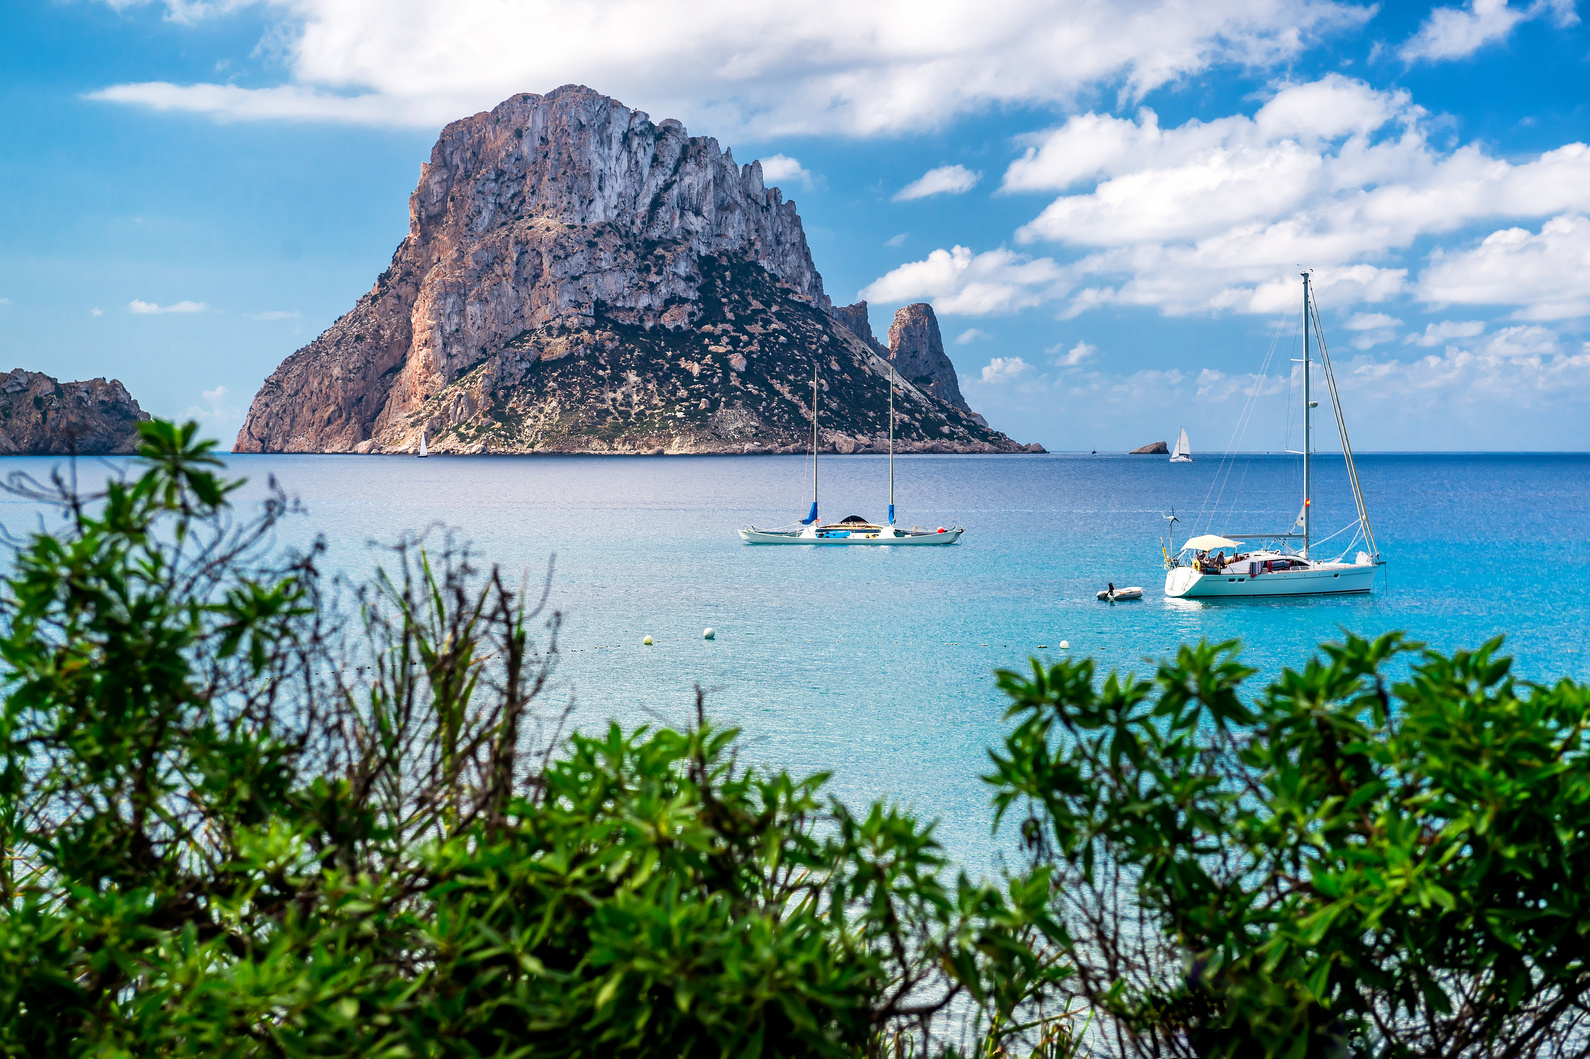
x,y
917,349
854,317
577,278
1156,448
42,417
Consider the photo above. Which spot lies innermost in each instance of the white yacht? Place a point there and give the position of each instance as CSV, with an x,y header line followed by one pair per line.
x,y
1182,453
853,529
1214,565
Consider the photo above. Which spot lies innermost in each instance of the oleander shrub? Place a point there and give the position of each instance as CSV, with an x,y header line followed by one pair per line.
x,y
1338,864
247,809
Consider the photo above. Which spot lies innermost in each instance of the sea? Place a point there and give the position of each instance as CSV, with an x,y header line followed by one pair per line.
x,y
877,665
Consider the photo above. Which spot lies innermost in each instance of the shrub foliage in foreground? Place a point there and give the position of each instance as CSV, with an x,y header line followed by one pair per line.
x,y
248,812
240,818
1329,868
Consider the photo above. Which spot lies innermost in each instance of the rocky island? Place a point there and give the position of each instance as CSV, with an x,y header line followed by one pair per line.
x,y
42,417
577,278
1153,448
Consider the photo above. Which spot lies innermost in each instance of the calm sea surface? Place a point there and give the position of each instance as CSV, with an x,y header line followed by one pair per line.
x,y
876,663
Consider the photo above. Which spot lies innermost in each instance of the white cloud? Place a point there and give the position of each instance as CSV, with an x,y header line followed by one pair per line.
x,y
897,240
1371,321
1216,215
273,314
1546,274
1003,369
945,180
1511,377
148,308
1077,354
970,335
724,67
958,281
5,301
783,167
1438,334
1458,32
217,415
97,312
1372,329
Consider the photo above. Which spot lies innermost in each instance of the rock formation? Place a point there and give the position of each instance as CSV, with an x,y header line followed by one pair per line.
x,y
1156,448
917,349
854,317
42,417
577,278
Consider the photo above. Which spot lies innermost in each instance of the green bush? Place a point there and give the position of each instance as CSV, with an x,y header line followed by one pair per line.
x,y
250,810
1329,868
245,811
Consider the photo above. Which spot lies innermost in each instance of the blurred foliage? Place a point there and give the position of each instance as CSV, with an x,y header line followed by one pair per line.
x,y
248,811
1329,868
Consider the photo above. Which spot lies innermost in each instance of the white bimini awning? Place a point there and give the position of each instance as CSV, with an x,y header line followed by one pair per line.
x,y
1208,542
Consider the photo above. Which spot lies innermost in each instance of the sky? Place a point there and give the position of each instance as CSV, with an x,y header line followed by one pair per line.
x,y
1108,203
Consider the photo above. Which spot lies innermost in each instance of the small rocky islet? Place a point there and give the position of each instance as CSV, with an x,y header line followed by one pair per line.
x,y
578,279
41,416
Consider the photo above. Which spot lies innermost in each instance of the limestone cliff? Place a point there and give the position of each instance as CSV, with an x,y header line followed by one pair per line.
x,y
42,417
577,278
917,349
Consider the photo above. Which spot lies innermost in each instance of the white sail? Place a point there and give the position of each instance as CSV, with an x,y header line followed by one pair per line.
x,y
1183,450
423,450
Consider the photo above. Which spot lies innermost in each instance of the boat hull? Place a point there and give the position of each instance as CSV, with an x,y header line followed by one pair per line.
x,y
1323,579
752,535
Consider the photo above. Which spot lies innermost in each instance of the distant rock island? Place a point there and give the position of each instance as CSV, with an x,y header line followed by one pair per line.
x,y
42,417
1157,448
579,279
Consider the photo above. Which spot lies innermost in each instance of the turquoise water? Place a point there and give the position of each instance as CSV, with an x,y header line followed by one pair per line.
x,y
876,663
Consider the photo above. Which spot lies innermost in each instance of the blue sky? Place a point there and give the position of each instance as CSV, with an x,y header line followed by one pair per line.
x,y
1108,203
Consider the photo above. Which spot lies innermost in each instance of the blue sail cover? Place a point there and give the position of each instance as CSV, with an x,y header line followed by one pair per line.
x,y
891,514
809,519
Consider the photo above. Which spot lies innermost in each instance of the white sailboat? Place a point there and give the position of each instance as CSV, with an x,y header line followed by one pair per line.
x,y
1279,568
853,529
1182,453
424,452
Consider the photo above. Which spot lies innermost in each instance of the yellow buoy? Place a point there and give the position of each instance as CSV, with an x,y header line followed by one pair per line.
x,y
647,641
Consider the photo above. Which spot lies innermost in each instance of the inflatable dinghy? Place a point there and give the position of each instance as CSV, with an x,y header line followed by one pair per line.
x,y
1121,594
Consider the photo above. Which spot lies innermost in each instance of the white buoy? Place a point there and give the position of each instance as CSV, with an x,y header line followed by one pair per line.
x,y
647,641
708,634
1065,645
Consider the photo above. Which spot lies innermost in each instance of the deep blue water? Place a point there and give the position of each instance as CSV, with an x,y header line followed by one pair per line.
x,y
876,663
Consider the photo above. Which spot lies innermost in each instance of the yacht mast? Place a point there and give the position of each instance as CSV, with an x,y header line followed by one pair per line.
x,y
814,442
1308,425
891,440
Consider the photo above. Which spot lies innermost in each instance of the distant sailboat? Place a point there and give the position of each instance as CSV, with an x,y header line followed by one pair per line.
x,y
852,529
424,452
1183,450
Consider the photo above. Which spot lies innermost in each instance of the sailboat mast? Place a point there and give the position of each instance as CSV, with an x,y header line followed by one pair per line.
x,y
891,441
1308,423
814,442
